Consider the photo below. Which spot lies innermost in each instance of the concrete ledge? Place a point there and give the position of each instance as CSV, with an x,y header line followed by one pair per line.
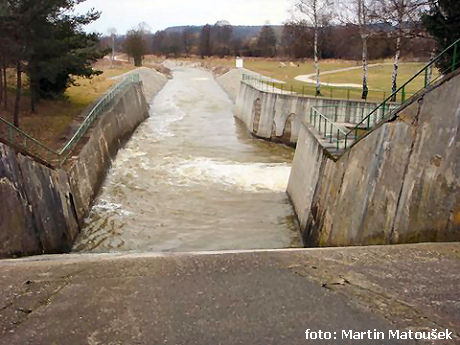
x,y
249,297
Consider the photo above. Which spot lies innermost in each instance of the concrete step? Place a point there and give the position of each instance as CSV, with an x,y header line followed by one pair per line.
x,y
233,297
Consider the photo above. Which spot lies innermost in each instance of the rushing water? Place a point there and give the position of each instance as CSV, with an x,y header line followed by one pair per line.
x,y
191,178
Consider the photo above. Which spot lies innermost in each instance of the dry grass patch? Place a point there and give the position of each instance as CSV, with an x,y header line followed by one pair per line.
x,y
50,122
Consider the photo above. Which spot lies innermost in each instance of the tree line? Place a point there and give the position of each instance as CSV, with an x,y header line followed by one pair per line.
x,y
44,40
321,29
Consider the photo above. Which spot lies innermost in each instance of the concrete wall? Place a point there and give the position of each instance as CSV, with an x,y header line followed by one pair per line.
x,y
399,184
231,81
42,207
277,110
89,169
36,215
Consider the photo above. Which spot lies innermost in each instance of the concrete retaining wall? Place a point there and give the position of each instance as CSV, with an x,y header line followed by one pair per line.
x,y
275,112
41,207
36,214
399,184
89,169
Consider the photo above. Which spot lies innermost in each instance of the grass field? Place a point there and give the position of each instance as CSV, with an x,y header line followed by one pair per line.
x,y
379,81
52,119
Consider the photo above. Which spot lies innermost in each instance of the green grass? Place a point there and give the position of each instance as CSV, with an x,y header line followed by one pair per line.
x,y
380,76
379,80
275,70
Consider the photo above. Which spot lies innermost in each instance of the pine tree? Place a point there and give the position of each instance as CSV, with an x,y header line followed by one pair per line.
x,y
443,23
45,39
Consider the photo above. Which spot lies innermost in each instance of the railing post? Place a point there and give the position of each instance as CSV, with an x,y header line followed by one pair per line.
x,y
319,126
383,109
345,143
330,135
335,115
454,57
403,94
338,137
426,77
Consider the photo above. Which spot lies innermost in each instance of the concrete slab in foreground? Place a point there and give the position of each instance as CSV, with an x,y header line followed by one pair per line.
x,y
262,297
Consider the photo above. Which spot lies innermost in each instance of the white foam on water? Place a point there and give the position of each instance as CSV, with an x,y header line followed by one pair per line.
x,y
255,177
165,113
105,206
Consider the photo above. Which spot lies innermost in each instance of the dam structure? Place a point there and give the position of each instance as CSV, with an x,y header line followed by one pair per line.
x,y
181,215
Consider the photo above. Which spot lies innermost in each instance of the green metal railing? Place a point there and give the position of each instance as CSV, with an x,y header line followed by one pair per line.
x,y
327,128
351,112
384,110
18,138
268,84
26,143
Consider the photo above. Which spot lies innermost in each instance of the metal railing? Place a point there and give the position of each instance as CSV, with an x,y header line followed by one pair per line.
x,y
350,113
270,85
20,139
328,129
384,110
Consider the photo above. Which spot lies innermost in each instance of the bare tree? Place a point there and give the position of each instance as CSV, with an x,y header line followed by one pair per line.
x,y
362,14
135,43
404,16
187,40
113,34
315,11
266,42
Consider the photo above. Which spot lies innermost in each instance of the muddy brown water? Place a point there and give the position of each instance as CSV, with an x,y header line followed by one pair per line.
x,y
191,178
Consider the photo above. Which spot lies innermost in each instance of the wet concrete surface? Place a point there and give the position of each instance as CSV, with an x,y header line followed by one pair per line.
x,y
261,297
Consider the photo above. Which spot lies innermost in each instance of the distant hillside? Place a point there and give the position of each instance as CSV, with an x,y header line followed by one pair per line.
x,y
239,31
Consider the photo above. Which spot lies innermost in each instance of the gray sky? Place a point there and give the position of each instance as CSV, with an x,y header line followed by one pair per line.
x,y
160,14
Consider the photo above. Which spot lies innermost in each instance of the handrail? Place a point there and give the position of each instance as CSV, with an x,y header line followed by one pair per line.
x,y
28,137
275,86
350,113
94,114
24,140
323,124
18,137
402,88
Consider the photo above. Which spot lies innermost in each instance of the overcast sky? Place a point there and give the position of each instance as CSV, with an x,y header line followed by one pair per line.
x,y
160,14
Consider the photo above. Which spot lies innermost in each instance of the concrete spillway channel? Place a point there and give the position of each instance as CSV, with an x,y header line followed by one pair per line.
x,y
192,178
